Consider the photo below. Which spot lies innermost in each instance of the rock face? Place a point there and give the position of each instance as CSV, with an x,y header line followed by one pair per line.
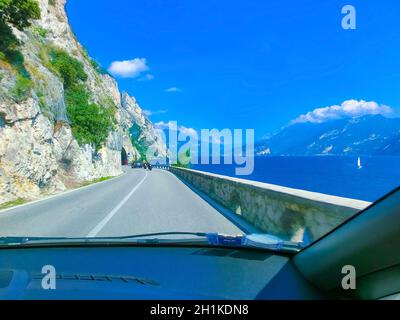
x,y
141,129
38,152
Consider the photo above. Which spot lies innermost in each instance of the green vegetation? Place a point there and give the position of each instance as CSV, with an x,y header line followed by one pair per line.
x,y
97,67
19,12
94,64
11,204
84,51
69,69
22,89
16,59
142,149
137,141
47,112
39,32
16,13
21,201
90,122
184,160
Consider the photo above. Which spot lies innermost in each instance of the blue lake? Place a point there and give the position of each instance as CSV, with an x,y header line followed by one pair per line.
x,y
332,175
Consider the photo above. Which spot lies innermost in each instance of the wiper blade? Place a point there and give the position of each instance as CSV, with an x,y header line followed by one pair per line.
x,y
259,241
196,234
149,238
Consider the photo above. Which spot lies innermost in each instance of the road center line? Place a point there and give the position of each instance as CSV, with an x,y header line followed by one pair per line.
x,y
95,231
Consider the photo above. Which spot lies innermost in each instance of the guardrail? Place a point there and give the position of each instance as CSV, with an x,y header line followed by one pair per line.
x,y
291,214
159,166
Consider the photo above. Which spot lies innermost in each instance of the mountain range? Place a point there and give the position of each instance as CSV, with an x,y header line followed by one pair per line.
x,y
367,135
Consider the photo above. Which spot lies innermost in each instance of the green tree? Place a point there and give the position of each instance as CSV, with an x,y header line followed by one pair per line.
x,y
19,14
16,13
71,70
90,123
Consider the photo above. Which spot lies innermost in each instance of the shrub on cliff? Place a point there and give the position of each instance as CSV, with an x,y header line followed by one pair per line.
x,y
68,68
96,66
90,123
22,89
16,13
19,14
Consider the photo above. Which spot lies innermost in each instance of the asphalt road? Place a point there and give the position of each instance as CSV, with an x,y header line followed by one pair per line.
x,y
137,202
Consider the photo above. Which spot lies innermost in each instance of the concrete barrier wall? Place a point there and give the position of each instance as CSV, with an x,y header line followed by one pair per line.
x,y
289,213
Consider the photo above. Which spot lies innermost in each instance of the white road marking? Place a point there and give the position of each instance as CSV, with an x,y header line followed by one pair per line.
x,y
95,231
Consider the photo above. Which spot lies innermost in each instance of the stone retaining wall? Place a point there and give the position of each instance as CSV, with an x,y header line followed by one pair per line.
x,y
292,214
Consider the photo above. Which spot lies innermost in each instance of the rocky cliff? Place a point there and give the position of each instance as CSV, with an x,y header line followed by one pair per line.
x,y
39,151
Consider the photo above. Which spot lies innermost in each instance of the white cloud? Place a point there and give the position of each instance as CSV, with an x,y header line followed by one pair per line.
x,y
129,68
348,109
190,132
152,113
173,89
187,131
147,77
162,125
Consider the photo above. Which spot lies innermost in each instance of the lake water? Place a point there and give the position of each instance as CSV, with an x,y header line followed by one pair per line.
x,y
332,175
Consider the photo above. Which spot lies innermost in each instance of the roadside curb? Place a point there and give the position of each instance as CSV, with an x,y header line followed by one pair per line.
x,y
60,194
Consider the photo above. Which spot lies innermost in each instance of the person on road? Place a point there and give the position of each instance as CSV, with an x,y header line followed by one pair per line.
x,y
146,165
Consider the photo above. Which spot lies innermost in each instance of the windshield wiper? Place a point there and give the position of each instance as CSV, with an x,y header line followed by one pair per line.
x,y
196,234
259,241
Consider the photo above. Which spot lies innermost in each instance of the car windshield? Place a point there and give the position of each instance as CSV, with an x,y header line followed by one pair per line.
x,y
218,123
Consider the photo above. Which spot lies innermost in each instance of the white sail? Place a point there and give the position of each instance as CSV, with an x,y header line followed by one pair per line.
x,y
359,163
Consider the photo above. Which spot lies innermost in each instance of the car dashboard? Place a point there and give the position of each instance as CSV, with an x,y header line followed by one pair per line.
x,y
151,273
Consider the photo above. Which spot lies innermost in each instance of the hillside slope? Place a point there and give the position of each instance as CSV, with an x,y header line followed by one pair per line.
x,y
367,135
44,145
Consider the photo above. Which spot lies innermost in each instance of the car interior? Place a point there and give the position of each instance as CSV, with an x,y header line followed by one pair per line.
x,y
369,242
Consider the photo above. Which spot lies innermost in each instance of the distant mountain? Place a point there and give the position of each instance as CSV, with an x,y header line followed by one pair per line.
x,y
368,135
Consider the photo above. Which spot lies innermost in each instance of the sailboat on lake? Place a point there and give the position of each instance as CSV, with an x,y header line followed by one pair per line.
x,y
359,165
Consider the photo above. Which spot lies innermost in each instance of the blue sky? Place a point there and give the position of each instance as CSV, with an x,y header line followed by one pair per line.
x,y
244,64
